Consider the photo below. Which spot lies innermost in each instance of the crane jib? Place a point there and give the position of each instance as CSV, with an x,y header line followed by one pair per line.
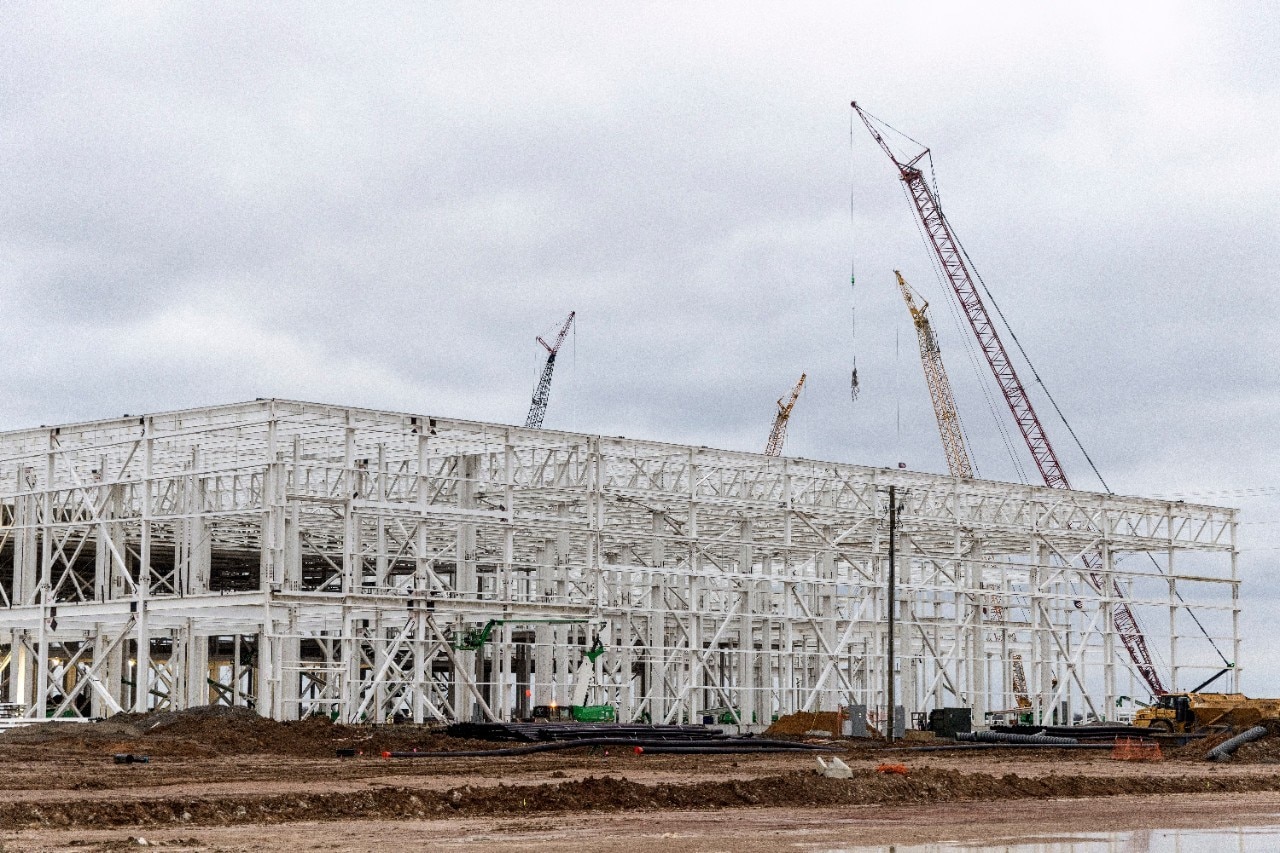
x,y
944,404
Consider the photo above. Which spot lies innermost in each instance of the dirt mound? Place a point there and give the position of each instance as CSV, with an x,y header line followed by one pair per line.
x,y
1265,750
1194,750
192,717
215,730
116,728
796,790
829,723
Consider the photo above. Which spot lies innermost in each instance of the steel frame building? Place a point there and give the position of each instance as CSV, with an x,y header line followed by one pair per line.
x,y
301,558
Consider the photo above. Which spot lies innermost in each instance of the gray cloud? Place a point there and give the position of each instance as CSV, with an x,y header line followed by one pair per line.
x,y
384,206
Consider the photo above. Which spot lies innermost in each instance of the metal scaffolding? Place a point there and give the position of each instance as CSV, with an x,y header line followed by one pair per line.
x,y
300,558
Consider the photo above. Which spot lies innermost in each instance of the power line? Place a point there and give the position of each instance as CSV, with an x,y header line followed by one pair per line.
x,y
1248,491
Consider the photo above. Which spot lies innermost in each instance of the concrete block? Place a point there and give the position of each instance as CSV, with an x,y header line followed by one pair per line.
x,y
834,769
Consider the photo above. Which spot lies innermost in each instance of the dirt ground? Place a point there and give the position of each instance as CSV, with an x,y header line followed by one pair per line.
x,y
226,780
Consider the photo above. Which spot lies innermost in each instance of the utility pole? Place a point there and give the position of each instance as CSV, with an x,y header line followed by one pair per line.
x,y
893,600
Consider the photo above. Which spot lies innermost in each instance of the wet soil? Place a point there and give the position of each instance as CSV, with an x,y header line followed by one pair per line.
x,y
212,768
215,730
744,830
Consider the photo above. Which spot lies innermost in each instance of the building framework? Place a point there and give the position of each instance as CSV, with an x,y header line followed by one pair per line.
x,y
301,559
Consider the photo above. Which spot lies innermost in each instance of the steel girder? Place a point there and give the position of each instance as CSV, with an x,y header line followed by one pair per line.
x,y
303,558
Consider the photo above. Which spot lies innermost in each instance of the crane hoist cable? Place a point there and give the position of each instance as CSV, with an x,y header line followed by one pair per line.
x,y
542,394
855,386
778,434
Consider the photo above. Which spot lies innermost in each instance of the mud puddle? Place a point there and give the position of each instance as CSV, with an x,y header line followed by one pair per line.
x,y
1242,839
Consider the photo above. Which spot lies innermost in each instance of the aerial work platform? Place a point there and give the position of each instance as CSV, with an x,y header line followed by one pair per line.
x,y
300,558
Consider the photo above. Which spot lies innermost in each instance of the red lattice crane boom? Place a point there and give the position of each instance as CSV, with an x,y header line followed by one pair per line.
x,y
947,250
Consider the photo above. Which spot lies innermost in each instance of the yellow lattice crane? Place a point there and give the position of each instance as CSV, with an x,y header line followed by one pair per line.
x,y
953,443
778,434
944,402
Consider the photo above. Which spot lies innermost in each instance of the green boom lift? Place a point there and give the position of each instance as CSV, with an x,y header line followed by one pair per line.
x,y
578,712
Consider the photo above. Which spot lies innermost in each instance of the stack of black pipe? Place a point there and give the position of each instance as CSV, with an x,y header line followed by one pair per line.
x,y
1107,732
1039,738
538,732
551,737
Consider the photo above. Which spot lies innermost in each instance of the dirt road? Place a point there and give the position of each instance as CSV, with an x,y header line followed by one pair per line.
x,y
250,784
745,830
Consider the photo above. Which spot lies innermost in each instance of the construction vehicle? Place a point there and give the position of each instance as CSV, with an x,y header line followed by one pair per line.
x,y
1183,713
474,638
542,394
955,266
578,711
778,434
954,446
1194,710
724,715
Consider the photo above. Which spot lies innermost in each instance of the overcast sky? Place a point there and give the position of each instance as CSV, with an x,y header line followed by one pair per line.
x,y
212,203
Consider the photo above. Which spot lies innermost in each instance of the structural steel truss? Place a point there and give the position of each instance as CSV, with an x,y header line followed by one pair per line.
x,y
302,559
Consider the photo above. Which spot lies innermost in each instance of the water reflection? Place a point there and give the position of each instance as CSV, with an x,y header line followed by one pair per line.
x,y
1248,839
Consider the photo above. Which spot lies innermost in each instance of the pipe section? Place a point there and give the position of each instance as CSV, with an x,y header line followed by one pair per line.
x,y
1222,752
981,746
1002,737
737,745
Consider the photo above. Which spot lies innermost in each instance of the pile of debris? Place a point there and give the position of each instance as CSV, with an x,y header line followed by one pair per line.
x,y
827,724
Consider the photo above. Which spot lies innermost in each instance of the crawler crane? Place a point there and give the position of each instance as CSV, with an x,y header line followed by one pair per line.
x,y
955,266
542,394
778,434
953,443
